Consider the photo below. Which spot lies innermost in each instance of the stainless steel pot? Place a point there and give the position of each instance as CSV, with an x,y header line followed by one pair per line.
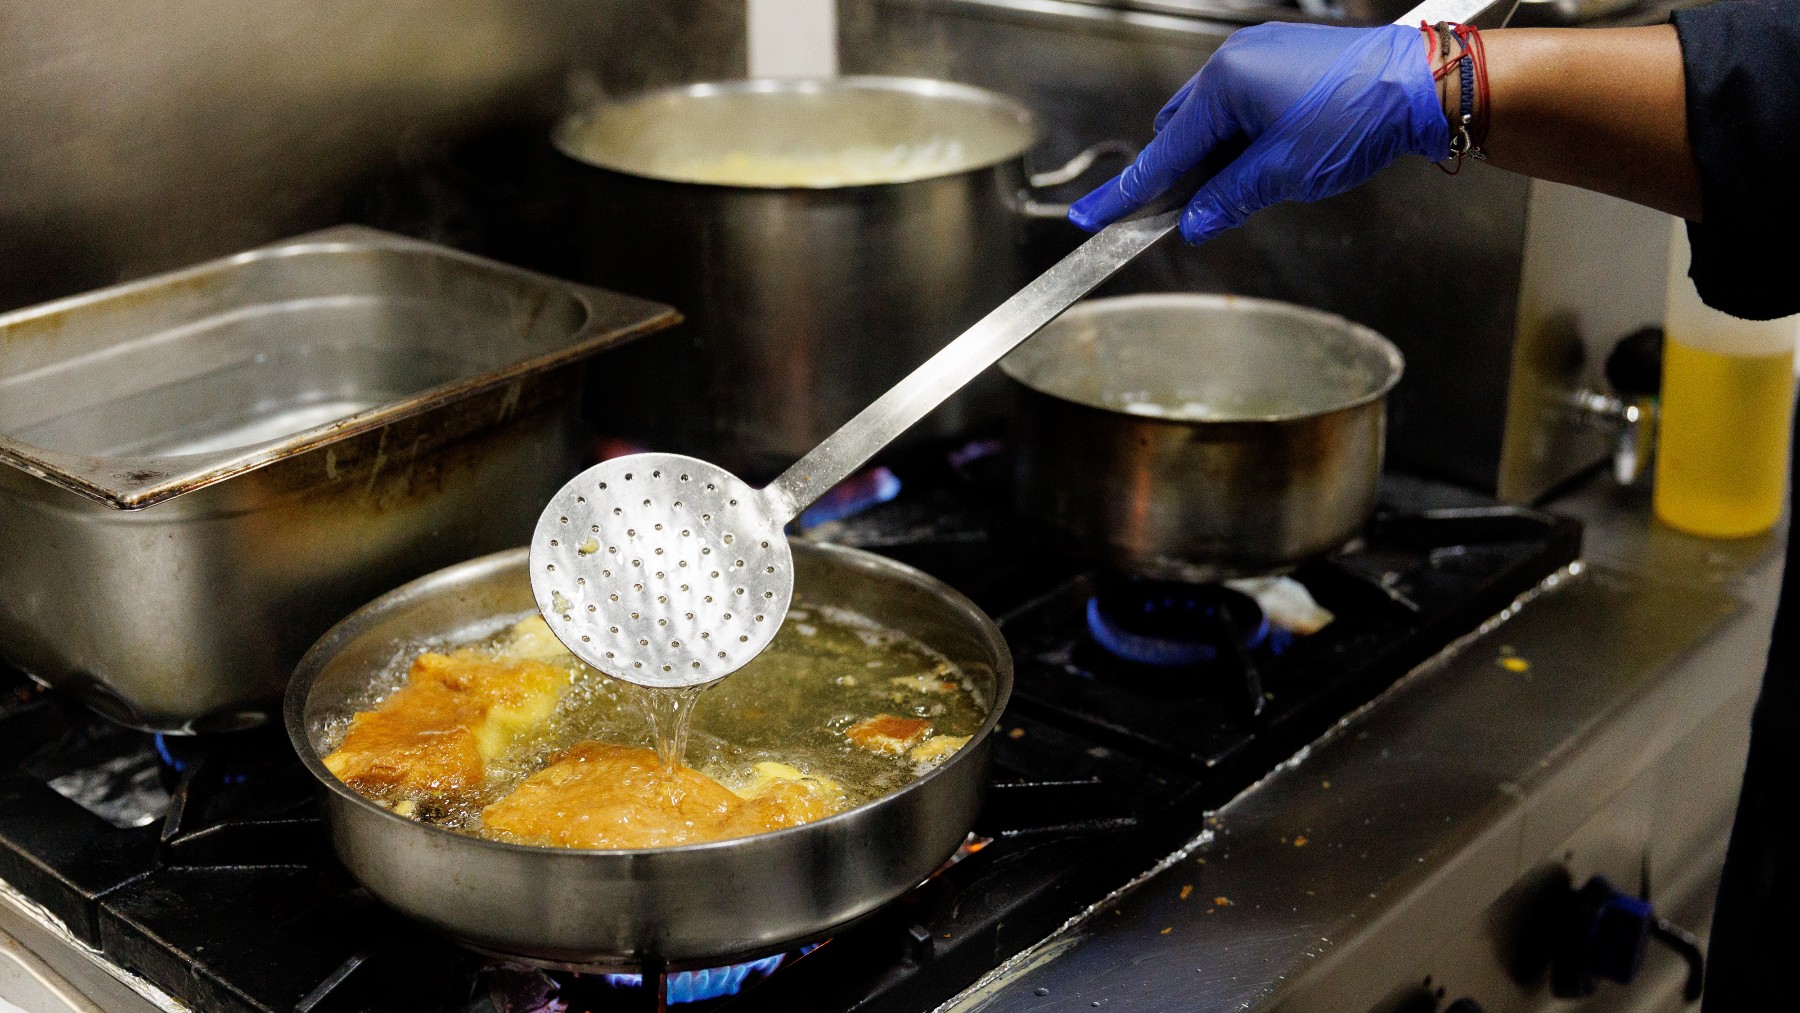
x,y
1280,462
698,905
804,302
201,471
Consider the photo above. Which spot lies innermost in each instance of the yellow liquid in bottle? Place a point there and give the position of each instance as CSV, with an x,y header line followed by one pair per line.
x,y
1721,463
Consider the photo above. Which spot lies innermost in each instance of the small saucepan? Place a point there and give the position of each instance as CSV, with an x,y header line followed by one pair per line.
x,y
1201,437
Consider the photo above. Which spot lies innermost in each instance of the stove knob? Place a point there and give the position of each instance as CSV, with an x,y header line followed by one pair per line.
x,y
1604,934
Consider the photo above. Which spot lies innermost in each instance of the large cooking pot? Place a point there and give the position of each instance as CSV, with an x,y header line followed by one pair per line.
x,y
806,296
696,905
1197,437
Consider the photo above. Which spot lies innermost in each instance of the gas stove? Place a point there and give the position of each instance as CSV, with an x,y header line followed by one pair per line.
x,y
196,870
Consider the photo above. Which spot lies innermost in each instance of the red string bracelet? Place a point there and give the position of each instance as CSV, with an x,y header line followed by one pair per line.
x,y
1469,136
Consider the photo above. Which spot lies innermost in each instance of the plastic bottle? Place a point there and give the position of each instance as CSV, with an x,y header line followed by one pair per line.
x,y
1727,410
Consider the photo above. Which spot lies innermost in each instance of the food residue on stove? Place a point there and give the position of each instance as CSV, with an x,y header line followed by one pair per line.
x,y
513,739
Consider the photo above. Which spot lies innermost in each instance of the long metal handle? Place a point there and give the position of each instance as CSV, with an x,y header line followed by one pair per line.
x,y
1021,316
959,362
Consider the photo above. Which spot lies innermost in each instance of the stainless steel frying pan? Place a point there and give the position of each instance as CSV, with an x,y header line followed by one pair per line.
x,y
698,905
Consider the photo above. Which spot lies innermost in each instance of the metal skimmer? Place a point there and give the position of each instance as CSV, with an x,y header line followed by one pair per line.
x,y
665,570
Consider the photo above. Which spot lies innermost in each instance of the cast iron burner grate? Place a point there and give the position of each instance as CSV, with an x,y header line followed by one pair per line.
x,y
210,875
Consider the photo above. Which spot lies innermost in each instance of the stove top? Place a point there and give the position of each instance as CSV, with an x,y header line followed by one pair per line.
x,y
201,865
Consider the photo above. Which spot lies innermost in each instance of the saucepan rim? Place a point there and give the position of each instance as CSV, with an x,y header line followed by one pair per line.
x,y
313,663
568,131
1365,337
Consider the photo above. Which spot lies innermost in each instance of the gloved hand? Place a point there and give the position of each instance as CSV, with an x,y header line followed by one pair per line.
x,y
1323,109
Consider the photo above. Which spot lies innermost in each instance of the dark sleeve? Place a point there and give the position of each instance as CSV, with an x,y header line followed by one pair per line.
x,y
1742,59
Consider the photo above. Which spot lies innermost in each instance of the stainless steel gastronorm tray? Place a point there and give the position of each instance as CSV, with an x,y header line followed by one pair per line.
x,y
202,471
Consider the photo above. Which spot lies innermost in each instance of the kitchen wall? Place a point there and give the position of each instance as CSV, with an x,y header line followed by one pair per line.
x,y
141,136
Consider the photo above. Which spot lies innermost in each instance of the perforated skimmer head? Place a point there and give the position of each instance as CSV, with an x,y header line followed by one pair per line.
x,y
662,570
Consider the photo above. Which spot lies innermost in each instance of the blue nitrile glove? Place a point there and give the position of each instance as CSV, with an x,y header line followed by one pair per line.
x,y
1323,109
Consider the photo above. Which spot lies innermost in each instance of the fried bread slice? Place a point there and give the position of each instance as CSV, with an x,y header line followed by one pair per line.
x,y
435,735
596,795
885,733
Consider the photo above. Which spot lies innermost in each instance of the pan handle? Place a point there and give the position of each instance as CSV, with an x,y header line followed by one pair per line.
x,y
1030,207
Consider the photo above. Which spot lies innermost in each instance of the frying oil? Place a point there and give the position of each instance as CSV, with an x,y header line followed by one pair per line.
x,y
827,669
1723,459
1727,403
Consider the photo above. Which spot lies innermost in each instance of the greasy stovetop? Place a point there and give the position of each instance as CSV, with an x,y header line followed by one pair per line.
x,y
201,864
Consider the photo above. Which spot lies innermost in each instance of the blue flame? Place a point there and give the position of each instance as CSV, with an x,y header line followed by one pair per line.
x,y
1170,652
712,982
162,750
852,496
180,766
708,983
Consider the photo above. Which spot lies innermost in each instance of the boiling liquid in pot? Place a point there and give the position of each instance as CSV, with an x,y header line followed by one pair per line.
x,y
827,672
856,165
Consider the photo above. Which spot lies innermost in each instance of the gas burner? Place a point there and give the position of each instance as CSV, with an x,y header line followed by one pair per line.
x,y
1169,640
520,988
698,986
1171,625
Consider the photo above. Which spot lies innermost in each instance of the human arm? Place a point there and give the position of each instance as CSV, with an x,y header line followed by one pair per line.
x,y
1325,108
1602,109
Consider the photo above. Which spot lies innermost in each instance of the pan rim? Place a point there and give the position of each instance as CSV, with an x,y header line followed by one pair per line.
x,y
306,672
1364,335
567,133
